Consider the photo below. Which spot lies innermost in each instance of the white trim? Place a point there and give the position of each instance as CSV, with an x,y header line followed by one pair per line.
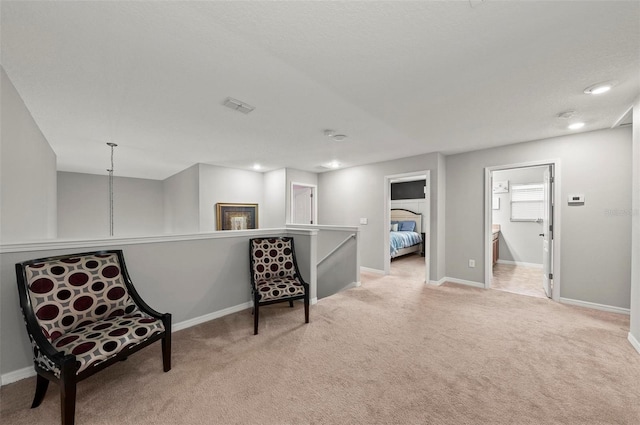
x,y
313,301
521,264
595,306
438,282
426,174
104,242
370,270
17,375
210,316
557,220
634,342
292,226
463,282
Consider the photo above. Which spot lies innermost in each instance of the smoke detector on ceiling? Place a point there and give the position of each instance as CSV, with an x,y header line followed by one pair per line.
x,y
238,105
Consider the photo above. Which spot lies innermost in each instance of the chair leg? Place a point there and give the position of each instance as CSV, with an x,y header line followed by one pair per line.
x,y
291,303
166,342
166,352
42,384
306,310
68,401
255,319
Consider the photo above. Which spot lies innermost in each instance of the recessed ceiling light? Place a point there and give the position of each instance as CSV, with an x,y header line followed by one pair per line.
x,y
257,167
333,164
600,87
576,126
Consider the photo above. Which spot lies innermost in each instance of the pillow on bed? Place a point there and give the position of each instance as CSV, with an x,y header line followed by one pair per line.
x,y
394,227
407,226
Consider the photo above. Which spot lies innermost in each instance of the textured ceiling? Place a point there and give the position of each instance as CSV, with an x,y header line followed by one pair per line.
x,y
399,78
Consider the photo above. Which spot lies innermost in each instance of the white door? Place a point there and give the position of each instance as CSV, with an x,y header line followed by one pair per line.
x,y
547,232
302,205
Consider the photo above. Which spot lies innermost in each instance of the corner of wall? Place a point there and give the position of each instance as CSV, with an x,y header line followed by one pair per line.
x,y
634,331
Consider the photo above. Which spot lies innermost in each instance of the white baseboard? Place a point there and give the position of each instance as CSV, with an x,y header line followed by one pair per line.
x,y
634,342
462,282
438,282
28,372
369,270
596,306
207,317
521,264
351,285
17,375
312,301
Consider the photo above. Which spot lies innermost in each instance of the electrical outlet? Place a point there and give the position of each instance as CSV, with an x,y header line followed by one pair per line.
x,y
472,263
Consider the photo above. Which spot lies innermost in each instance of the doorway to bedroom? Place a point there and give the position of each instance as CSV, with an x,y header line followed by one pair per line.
x,y
407,225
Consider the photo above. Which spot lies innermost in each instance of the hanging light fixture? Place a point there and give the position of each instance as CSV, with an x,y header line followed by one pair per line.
x,y
111,145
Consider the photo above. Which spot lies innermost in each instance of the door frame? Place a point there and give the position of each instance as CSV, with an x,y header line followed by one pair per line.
x,y
314,193
557,204
387,218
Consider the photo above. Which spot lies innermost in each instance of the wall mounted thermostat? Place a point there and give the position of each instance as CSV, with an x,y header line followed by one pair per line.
x,y
576,199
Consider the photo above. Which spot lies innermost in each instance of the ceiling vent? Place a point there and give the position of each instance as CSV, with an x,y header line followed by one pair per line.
x,y
238,105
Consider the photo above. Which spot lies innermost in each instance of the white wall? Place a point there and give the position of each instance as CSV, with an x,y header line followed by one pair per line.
x,y
519,240
596,241
83,206
438,217
227,185
359,192
182,201
273,210
634,332
27,172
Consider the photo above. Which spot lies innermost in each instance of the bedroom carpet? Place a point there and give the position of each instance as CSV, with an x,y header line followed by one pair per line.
x,y
393,351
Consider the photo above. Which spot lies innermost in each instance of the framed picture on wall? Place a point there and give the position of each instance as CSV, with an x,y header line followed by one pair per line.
x,y
236,216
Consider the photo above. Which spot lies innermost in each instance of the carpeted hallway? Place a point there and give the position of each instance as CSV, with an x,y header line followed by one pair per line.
x,y
393,351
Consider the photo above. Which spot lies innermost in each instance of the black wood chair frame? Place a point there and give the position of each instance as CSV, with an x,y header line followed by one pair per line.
x,y
256,295
67,363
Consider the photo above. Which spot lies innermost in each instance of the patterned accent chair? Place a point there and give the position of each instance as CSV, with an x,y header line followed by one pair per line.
x,y
275,276
82,315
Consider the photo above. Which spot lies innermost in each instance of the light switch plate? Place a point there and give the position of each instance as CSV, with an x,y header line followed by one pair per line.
x,y
364,221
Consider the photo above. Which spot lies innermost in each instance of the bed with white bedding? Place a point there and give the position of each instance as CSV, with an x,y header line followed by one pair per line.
x,y
405,236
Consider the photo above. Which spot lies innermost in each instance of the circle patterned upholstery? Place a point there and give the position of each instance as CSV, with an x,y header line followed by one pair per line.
x,y
76,292
101,340
83,307
274,273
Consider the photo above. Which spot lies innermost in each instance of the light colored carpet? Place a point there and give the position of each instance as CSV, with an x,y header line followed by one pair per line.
x,y
393,351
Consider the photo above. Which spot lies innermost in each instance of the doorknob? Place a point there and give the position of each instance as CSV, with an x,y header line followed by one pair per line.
x,y
541,234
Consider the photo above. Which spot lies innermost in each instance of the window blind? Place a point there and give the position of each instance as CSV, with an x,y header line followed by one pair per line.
x,y
527,202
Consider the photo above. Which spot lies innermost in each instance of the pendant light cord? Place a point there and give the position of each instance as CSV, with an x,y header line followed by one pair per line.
x,y
112,145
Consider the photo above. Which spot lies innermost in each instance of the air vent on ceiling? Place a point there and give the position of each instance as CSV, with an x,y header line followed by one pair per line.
x,y
238,105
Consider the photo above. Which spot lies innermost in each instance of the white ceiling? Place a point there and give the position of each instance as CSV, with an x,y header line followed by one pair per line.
x,y
399,78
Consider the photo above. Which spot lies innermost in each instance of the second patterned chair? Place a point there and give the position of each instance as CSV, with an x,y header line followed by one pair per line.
x,y
275,276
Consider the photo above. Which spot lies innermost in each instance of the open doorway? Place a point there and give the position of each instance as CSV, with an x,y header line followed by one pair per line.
x,y
407,220
304,209
522,241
